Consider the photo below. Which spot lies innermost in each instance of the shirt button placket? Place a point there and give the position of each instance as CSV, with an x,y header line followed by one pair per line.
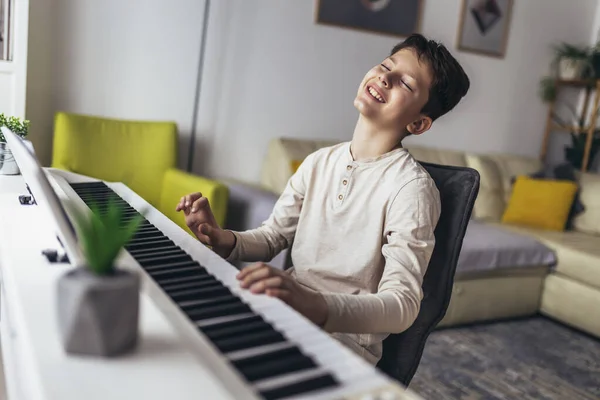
x,y
345,181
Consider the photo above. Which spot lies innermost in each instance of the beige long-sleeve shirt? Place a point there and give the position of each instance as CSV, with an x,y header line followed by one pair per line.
x,y
362,234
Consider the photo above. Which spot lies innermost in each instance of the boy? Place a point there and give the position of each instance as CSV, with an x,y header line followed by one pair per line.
x,y
361,214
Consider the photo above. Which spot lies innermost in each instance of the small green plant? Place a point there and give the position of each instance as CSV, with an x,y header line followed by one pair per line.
x,y
102,234
16,125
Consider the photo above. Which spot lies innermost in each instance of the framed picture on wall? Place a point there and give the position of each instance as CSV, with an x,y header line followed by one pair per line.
x,y
389,17
484,26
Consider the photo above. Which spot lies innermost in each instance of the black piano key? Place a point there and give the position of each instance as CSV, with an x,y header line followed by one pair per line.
x,y
273,368
205,293
163,259
149,244
261,359
174,281
180,270
149,233
180,287
157,252
238,330
228,324
153,250
211,289
177,284
249,341
172,266
159,240
307,385
200,313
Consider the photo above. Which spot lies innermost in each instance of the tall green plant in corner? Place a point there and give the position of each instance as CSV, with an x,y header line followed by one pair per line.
x,y
98,303
17,125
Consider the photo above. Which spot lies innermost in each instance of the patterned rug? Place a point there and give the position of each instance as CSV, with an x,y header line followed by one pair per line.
x,y
534,358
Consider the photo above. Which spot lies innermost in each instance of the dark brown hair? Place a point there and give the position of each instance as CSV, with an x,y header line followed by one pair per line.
x,y
450,82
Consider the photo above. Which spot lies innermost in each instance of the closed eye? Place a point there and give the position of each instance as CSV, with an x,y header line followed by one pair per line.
x,y
406,84
385,67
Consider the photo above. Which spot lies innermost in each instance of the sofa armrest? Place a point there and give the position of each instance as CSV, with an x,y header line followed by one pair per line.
x,y
177,183
249,206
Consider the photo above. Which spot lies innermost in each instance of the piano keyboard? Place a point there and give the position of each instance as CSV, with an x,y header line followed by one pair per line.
x,y
277,352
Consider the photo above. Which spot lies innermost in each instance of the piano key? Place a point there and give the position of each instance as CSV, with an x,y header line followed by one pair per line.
x,y
201,281
233,323
220,320
260,359
157,252
159,240
173,281
149,244
308,385
163,259
191,299
177,270
148,234
207,292
168,285
239,330
199,313
277,366
206,301
248,341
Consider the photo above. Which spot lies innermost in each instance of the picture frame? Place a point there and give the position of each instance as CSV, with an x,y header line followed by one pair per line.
x,y
484,27
398,18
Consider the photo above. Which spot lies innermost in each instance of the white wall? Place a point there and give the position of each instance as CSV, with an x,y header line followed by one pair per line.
x,y
134,59
271,71
283,75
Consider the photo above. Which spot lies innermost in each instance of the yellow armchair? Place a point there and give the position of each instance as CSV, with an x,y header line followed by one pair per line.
x,y
141,154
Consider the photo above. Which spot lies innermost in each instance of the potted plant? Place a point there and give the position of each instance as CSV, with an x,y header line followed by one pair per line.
x,y
8,165
98,303
572,62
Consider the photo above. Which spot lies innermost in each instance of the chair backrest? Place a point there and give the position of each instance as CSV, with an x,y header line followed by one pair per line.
x,y
458,187
137,153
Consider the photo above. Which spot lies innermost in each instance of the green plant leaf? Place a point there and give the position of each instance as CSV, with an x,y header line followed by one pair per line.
x,y
103,235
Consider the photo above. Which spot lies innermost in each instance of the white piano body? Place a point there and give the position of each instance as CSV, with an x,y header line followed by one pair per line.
x,y
174,358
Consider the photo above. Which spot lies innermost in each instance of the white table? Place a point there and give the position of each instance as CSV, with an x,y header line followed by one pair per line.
x,y
36,367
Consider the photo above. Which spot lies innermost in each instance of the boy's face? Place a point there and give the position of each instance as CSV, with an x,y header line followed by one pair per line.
x,y
393,93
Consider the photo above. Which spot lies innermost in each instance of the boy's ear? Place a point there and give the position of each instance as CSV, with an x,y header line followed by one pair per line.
x,y
420,125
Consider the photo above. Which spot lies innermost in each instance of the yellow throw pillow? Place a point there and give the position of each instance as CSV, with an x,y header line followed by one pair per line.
x,y
540,203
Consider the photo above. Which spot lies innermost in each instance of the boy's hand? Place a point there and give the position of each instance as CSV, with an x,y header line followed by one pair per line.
x,y
201,221
262,278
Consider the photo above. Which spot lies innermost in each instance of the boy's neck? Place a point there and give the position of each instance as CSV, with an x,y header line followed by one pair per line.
x,y
370,141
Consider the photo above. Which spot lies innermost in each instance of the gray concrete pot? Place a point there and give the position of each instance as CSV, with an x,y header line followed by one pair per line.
x,y
98,315
8,165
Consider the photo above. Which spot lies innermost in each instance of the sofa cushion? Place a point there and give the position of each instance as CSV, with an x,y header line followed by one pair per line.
x,y
283,157
578,253
540,203
497,172
589,220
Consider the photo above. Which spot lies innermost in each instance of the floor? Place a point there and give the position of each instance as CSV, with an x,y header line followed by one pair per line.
x,y
534,358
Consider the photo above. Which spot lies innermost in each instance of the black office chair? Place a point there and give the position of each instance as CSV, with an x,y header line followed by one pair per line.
x,y
458,189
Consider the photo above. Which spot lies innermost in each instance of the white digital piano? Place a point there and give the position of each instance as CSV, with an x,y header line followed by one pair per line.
x,y
200,335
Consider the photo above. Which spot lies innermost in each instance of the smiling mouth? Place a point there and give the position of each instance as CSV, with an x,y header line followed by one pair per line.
x,y
375,94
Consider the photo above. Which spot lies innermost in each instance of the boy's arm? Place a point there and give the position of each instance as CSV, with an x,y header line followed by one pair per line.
x,y
277,232
410,226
